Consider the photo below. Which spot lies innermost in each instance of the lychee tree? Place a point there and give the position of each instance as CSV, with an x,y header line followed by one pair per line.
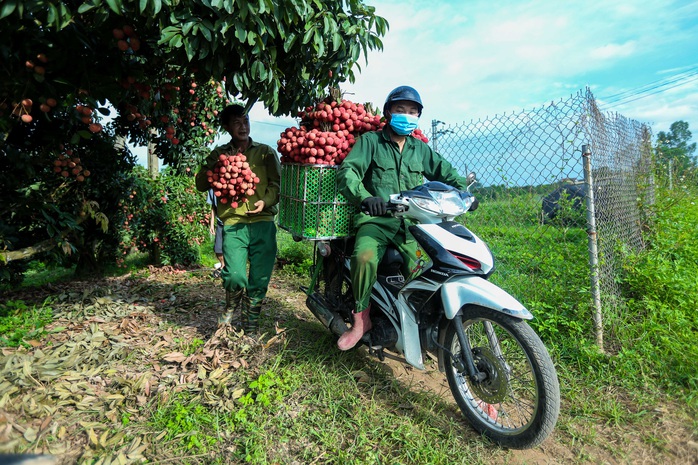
x,y
78,75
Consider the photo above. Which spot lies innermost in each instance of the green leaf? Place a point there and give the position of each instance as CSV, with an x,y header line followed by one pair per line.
x,y
237,81
240,31
104,111
143,5
308,34
7,9
203,52
191,47
115,6
187,27
66,18
167,34
157,6
206,32
52,16
336,41
84,134
289,41
319,43
251,36
85,7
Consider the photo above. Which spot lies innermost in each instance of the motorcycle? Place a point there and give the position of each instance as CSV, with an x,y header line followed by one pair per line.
x,y
498,370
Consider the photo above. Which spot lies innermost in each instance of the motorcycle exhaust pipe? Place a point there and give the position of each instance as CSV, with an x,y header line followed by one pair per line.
x,y
330,319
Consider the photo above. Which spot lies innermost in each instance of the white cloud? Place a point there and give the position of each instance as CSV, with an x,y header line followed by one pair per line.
x,y
504,56
474,59
612,51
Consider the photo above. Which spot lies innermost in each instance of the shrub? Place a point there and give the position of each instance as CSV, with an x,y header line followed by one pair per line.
x,y
659,327
166,217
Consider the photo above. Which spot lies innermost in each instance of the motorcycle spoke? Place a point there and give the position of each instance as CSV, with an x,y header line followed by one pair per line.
x,y
517,407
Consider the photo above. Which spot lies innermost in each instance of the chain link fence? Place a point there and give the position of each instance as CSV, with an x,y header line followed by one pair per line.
x,y
533,189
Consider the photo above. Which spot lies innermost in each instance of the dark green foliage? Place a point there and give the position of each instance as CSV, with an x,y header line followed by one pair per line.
x,y
673,147
660,326
166,217
41,205
294,257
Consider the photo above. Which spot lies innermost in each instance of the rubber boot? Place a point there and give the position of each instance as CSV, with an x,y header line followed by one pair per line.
x,y
245,314
362,324
232,302
251,325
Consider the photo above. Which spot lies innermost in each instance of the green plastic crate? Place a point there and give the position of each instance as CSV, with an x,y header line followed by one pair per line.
x,y
311,206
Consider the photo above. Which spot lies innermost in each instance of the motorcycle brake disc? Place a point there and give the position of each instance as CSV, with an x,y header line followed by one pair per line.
x,y
493,389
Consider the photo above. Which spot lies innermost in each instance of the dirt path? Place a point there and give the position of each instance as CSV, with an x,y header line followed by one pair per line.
x,y
118,343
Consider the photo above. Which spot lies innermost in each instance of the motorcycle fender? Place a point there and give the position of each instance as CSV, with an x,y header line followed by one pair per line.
x,y
474,290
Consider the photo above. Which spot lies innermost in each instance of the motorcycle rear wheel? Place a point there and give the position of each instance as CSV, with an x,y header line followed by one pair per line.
x,y
517,405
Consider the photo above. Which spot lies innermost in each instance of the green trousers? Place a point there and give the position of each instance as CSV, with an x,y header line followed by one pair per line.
x,y
371,242
254,243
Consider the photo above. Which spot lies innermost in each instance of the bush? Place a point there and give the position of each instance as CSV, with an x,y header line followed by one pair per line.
x,y
166,217
659,327
294,257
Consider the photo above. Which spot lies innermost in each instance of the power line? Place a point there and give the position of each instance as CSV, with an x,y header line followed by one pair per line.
x,y
623,102
652,85
652,88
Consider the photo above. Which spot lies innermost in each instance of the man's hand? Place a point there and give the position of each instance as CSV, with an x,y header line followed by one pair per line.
x,y
374,206
259,206
212,229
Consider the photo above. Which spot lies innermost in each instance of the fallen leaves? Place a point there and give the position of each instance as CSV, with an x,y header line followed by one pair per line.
x,y
112,355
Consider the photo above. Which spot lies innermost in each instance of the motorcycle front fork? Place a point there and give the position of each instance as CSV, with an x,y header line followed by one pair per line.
x,y
464,362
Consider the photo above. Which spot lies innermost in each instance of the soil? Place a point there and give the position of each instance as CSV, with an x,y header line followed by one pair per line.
x,y
155,311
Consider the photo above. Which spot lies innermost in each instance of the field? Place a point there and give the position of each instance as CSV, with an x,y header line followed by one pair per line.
x,y
128,368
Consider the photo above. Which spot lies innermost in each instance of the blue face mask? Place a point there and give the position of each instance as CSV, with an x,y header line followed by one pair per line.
x,y
403,124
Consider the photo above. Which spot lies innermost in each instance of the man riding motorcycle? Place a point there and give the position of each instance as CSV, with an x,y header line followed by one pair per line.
x,y
383,163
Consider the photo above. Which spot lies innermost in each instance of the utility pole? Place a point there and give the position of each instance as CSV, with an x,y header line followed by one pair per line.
x,y
434,123
435,134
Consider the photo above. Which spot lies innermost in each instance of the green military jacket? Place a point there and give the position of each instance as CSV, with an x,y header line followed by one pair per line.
x,y
264,163
375,167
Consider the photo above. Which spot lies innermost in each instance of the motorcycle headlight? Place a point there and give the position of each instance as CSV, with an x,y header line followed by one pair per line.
x,y
451,203
427,204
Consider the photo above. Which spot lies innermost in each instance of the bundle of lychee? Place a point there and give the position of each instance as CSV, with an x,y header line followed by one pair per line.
x,y
67,165
328,131
232,180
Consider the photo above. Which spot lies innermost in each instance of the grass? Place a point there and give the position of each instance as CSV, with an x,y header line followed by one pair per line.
x,y
20,323
312,406
306,402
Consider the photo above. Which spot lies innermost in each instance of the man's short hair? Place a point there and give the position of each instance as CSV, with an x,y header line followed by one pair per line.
x,y
229,112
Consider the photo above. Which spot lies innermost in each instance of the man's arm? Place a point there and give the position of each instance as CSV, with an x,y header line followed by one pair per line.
x,y
437,168
353,169
273,167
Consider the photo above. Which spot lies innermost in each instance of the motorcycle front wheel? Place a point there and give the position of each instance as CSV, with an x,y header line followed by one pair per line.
x,y
518,402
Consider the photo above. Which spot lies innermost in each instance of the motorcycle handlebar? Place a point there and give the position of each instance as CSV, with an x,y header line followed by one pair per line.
x,y
389,208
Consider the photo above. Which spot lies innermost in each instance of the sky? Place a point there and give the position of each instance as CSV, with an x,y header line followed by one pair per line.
x,y
474,59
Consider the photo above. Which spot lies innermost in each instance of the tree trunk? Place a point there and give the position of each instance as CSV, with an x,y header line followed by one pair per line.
x,y
153,161
87,263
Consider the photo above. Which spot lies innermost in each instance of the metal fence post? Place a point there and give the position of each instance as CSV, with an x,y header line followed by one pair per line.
x,y
593,249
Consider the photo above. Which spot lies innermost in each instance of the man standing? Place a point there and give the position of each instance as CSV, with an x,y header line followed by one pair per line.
x,y
249,233
383,163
